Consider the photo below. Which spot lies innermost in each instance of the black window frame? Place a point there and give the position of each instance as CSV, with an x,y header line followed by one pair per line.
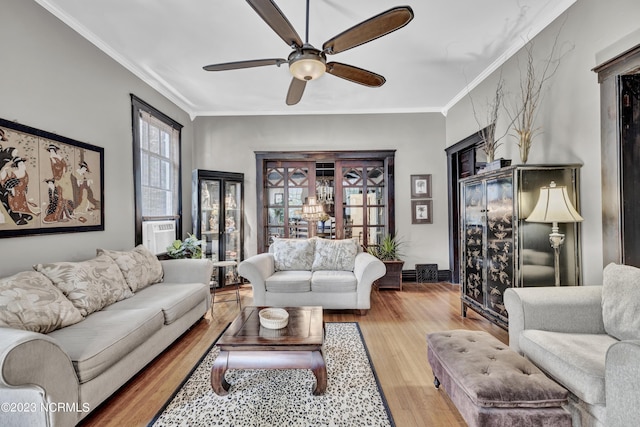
x,y
138,105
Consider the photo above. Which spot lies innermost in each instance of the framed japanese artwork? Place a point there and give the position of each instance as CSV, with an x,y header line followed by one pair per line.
x,y
48,183
420,186
422,212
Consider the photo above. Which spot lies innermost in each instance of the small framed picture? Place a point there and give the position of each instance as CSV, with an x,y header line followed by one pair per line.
x,y
422,212
278,198
420,186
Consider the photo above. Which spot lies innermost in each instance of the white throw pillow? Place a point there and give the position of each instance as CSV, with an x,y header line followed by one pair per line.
x,y
292,254
89,285
139,266
29,301
338,255
621,301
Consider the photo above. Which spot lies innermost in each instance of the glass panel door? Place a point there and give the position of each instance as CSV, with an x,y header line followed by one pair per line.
x,y
232,205
210,216
287,185
362,195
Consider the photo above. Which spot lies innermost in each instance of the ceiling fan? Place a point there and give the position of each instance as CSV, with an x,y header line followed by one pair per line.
x,y
308,63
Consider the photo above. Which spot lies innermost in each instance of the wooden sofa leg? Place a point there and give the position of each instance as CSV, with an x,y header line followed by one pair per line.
x,y
362,312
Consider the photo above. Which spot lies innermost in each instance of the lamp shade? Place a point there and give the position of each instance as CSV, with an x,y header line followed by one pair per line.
x,y
311,210
554,205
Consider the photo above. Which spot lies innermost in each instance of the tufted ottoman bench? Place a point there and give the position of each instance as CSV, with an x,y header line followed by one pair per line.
x,y
491,385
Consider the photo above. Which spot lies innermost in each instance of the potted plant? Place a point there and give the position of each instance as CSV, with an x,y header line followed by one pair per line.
x,y
190,247
388,251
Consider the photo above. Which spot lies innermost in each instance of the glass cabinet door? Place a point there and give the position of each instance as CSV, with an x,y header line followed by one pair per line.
x,y
210,216
218,221
232,204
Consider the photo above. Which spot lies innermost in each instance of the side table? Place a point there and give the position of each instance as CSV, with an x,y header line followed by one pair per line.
x,y
224,264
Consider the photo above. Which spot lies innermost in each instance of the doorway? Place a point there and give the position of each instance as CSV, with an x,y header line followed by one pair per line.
x,y
619,80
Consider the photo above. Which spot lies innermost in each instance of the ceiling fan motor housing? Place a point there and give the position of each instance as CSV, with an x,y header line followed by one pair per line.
x,y
307,63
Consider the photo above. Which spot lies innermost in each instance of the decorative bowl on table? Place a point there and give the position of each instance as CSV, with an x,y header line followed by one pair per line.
x,y
273,318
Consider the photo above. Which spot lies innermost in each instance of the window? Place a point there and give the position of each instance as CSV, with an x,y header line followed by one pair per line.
x,y
157,171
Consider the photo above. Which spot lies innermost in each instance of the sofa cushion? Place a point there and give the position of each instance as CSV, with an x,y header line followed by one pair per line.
x,y
90,285
577,361
292,254
174,299
289,281
105,337
139,266
335,255
333,281
621,301
29,301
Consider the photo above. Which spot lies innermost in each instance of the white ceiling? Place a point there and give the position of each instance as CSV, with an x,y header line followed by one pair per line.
x,y
449,46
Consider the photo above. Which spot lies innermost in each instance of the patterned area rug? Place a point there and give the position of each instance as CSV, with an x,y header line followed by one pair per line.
x,y
271,397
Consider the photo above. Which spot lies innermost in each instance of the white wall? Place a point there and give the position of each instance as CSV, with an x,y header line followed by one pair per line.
x,y
569,115
229,143
53,79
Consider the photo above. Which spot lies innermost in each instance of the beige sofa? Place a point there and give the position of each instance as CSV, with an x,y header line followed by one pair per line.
x,y
334,274
586,338
82,353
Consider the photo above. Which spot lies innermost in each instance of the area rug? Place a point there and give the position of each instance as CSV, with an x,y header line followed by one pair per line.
x,y
271,397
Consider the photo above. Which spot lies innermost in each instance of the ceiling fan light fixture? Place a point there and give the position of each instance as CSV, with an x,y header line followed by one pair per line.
x,y
307,64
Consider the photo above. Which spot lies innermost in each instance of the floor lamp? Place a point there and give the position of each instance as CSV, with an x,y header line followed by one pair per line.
x,y
554,206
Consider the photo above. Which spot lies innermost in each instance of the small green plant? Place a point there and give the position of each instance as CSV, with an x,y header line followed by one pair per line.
x,y
388,249
191,247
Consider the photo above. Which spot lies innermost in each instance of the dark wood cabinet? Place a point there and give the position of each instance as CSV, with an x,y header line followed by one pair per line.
x,y
498,249
218,220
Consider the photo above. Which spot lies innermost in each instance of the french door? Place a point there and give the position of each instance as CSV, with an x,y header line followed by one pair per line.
x,y
362,183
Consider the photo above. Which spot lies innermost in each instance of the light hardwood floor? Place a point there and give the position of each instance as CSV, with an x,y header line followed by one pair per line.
x,y
394,330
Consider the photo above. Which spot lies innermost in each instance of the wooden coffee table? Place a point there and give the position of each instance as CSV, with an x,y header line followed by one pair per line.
x,y
248,345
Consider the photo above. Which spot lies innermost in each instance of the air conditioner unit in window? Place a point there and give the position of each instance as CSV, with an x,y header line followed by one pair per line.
x,y
157,235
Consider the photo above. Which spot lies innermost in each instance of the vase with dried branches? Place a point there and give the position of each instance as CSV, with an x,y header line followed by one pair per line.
x,y
532,81
488,133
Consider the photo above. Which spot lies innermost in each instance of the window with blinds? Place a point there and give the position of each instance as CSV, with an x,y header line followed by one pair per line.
x,y
157,167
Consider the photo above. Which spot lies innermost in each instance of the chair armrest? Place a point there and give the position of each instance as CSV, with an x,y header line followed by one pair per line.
x,y
367,268
571,309
36,371
187,270
622,377
256,270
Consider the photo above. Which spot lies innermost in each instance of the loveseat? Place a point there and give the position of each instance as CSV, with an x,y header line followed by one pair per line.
x,y
334,274
72,333
586,338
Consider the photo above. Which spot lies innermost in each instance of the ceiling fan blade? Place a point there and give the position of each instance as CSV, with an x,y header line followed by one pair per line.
x,y
371,29
355,74
296,89
245,64
279,23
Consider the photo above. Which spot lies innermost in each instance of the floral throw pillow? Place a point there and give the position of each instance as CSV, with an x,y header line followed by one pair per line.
x,y
89,285
29,301
339,255
139,266
292,254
